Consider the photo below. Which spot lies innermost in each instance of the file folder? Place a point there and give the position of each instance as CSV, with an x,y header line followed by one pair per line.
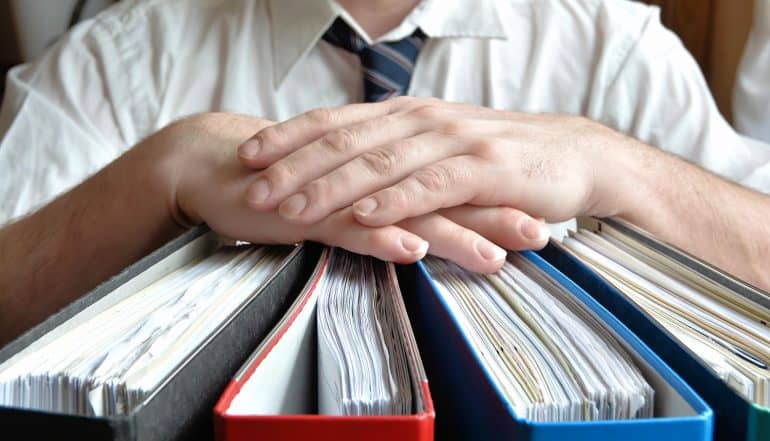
x,y
274,395
181,407
469,406
735,418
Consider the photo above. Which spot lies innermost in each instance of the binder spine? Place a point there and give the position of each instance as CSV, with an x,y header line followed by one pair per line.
x,y
733,415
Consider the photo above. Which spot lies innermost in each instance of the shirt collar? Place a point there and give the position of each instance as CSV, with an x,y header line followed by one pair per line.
x,y
297,25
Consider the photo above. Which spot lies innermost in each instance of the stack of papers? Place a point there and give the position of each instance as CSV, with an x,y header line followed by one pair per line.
x,y
106,364
724,329
362,357
550,357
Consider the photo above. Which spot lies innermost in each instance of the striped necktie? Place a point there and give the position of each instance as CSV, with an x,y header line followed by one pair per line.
x,y
387,67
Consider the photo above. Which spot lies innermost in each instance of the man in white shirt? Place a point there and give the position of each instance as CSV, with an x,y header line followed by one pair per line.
x,y
134,69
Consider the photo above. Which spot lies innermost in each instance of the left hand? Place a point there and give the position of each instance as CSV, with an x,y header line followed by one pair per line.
x,y
406,157
195,162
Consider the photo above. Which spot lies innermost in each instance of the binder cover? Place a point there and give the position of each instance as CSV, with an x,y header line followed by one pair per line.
x,y
735,418
469,405
273,397
181,407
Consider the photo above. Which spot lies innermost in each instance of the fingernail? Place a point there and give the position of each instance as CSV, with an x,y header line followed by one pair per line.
x,y
292,207
533,230
414,245
490,251
365,207
259,191
249,149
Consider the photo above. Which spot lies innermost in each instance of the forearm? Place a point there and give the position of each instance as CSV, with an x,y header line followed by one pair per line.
x,y
709,217
88,234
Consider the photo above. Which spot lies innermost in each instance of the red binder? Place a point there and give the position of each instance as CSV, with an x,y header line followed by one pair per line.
x,y
274,395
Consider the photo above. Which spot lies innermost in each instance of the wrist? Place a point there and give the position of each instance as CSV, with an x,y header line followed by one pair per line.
x,y
622,181
167,160
196,154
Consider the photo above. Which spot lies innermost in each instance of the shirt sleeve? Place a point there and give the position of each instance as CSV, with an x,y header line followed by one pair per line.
x,y
64,117
659,95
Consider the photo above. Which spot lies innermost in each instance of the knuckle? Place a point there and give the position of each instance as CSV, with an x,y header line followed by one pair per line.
x,y
269,136
429,100
574,119
281,173
339,141
317,191
195,119
455,127
404,101
377,124
320,116
504,213
198,122
435,178
460,238
445,229
428,111
464,236
380,161
379,239
403,146
506,217
395,198
486,148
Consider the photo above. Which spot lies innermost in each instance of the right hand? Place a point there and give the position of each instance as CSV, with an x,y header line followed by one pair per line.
x,y
208,182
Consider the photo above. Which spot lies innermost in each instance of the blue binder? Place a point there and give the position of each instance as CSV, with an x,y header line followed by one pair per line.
x,y
735,418
469,406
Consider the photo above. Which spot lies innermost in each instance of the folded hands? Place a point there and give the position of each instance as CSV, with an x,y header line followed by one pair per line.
x,y
410,176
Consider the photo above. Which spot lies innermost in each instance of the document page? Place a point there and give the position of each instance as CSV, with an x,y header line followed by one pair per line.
x,y
552,359
110,363
363,359
727,333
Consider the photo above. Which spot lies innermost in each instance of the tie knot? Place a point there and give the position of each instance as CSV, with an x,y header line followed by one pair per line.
x,y
342,35
387,67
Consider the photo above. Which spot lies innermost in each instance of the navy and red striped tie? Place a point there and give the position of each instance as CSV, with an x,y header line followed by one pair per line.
x,y
387,67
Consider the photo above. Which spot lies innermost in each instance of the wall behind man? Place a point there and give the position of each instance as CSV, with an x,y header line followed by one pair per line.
x,y
9,48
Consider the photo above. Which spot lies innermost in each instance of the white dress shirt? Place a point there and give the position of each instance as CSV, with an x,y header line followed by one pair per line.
x,y
140,65
751,100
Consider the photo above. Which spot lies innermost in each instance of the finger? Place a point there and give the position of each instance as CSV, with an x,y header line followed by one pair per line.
x,y
372,170
390,243
448,183
287,175
267,146
276,141
461,245
508,227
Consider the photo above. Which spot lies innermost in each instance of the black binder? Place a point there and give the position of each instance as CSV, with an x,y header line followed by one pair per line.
x,y
181,407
